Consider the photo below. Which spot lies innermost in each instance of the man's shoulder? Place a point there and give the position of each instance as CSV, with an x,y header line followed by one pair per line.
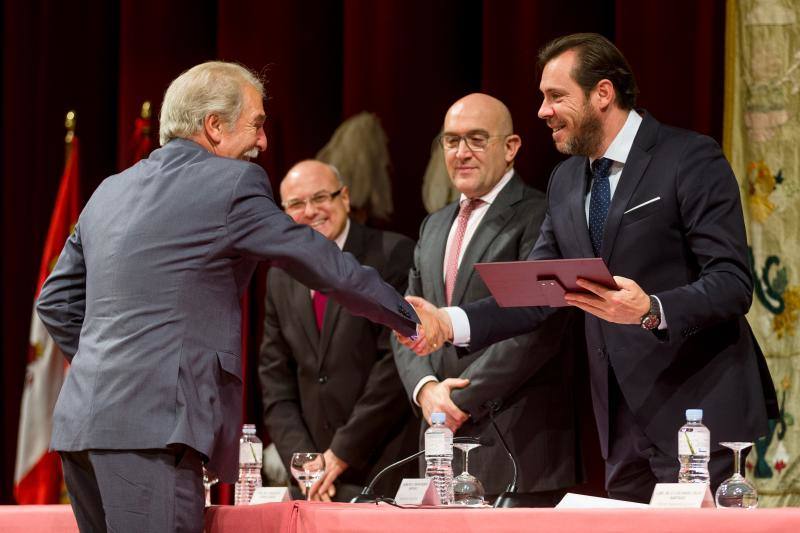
x,y
388,243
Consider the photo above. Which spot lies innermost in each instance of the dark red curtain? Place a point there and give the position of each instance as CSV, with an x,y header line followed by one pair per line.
x,y
406,60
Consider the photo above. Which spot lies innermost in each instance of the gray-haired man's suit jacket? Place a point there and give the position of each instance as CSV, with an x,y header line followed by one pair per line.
x,y
144,301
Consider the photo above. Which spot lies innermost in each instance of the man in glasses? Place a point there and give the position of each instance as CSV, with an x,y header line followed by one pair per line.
x,y
328,380
496,219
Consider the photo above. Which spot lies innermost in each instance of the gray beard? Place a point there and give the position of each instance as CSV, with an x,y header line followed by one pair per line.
x,y
250,154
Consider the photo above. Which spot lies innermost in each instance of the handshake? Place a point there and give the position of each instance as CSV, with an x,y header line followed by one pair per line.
x,y
435,329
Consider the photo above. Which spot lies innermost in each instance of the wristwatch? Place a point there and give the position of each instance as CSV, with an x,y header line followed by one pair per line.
x,y
652,319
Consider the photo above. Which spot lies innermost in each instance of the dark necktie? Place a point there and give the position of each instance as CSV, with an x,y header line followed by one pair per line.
x,y
320,301
599,202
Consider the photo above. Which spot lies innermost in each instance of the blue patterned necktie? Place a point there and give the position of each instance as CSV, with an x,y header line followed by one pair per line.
x,y
599,202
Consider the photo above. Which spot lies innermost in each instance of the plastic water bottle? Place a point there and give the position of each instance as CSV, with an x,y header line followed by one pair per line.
x,y
250,448
439,456
694,445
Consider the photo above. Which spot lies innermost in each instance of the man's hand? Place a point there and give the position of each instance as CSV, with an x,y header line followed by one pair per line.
x,y
434,397
624,306
435,331
324,489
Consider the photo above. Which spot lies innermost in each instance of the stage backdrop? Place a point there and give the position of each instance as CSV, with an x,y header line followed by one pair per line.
x,y
762,140
405,60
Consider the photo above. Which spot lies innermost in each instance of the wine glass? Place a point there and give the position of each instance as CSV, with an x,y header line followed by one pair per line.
x,y
307,468
736,491
467,489
209,479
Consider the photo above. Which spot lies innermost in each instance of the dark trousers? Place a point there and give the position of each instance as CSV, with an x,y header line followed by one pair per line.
x,y
136,490
634,464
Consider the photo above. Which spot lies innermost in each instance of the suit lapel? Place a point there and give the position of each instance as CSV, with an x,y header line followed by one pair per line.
x,y
577,207
300,299
356,246
494,220
438,236
632,173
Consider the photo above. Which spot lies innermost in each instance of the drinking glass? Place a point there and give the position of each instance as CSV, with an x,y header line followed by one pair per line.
x,y
736,491
307,468
209,479
467,489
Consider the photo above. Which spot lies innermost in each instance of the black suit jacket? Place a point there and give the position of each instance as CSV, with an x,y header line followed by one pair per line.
x,y
527,378
337,388
688,247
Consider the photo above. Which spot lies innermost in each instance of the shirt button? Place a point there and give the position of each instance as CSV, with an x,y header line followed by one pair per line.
x,y
601,353
323,380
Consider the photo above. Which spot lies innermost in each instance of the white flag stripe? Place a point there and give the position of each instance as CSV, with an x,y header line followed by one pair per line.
x,y
43,379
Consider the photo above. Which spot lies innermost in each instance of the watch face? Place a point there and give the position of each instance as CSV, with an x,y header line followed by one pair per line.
x,y
650,321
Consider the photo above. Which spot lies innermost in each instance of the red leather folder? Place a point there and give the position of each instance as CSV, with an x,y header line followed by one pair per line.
x,y
532,283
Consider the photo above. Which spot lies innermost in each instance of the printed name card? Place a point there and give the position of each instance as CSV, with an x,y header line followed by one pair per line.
x,y
681,496
270,495
417,492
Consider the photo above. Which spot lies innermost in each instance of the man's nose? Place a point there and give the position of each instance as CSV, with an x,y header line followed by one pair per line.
x,y
261,141
545,110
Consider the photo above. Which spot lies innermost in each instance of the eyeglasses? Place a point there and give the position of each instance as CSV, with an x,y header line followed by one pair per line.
x,y
476,141
321,198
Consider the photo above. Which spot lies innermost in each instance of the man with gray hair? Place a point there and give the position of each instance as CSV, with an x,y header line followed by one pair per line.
x,y
144,302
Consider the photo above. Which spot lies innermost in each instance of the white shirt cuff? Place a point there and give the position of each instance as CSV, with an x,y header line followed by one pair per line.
x,y
663,324
423,381
460,322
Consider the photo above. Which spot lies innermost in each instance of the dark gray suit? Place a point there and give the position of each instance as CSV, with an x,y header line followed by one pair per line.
x,y
528,378
338,388
144,302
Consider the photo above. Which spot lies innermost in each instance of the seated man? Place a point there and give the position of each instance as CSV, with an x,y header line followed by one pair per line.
x,y
328,379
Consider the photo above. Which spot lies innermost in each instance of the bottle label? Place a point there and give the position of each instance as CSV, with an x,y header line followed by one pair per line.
x,y
250,452
438,444
694,443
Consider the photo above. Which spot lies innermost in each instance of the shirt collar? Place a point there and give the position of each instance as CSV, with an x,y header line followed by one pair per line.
x,y
342,238
490,196
620,147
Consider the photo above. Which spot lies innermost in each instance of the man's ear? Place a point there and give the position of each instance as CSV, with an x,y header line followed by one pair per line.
x,y
604,94
513,144
212,128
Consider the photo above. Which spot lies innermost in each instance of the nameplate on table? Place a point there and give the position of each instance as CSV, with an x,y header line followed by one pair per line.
x,y
581,501
270,495
416,492
681,496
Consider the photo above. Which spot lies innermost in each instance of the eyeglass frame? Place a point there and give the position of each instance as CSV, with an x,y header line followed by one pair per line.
x,y
298,204
440,140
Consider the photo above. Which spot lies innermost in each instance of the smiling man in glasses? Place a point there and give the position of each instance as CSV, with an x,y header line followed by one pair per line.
x,y
525,381
329,383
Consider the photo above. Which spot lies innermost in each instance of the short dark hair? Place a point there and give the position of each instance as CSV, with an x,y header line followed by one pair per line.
x,y
597,59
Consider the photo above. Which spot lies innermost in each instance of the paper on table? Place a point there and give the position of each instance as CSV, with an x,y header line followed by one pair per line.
x,y
580,501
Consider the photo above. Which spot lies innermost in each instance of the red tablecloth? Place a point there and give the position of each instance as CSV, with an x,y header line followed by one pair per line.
x,y
304,517
307,517
37,519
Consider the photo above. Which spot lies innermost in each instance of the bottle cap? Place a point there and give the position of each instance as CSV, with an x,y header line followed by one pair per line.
x,y
694,415
437,418
249,429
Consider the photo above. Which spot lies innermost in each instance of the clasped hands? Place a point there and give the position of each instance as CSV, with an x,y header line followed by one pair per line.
x,y
625,305
435,328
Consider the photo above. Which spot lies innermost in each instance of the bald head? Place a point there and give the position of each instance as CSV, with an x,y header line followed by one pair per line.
x,y
482,107
312,193
488,147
